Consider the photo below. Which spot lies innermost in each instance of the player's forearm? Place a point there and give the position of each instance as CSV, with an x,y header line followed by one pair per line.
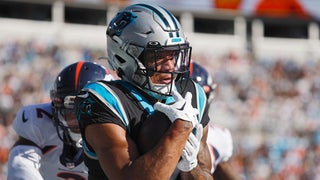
x,y
173,143
197,173
160,162
119,156
224,170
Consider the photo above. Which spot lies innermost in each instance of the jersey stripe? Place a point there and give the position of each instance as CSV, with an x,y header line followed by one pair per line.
x,y
161,17
174,21
87,151
147,106
201,100
109,98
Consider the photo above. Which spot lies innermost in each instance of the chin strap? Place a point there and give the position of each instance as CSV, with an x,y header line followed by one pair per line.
x,y
71,155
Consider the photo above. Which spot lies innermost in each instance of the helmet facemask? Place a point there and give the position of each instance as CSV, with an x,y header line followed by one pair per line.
x,y
65,120
153,58
72,142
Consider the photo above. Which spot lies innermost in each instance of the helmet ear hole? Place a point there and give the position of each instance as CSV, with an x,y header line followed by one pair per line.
x,y
120,72
120,59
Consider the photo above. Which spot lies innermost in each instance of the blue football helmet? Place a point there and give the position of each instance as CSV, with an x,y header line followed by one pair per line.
x,y
65,88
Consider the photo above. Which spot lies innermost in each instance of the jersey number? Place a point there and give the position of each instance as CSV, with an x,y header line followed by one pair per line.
x,y
41,112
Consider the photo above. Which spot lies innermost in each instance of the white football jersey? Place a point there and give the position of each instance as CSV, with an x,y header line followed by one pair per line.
x,y
35,123
220,145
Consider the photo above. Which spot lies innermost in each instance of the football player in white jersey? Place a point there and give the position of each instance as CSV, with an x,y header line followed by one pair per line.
x,y
219,139
49,144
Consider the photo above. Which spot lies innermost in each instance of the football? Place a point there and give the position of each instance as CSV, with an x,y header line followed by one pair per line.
x,y
151,131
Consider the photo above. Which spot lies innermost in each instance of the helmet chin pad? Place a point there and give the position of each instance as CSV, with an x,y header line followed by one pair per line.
x,y
163,89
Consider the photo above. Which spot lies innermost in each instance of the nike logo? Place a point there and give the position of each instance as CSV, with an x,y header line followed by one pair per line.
x,y
182,107
24,119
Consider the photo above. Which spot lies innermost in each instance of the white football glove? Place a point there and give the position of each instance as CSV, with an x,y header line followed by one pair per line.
x,y
220,139
181,109
189,155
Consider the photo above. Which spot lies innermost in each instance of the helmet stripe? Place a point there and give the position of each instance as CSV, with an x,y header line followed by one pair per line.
x,y
78,70
173,20
161,16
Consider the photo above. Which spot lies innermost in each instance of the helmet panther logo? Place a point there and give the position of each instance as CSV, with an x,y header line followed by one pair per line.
x,y
119,23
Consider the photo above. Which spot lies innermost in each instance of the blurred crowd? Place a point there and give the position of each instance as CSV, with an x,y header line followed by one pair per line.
x,y
271,106
272,109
